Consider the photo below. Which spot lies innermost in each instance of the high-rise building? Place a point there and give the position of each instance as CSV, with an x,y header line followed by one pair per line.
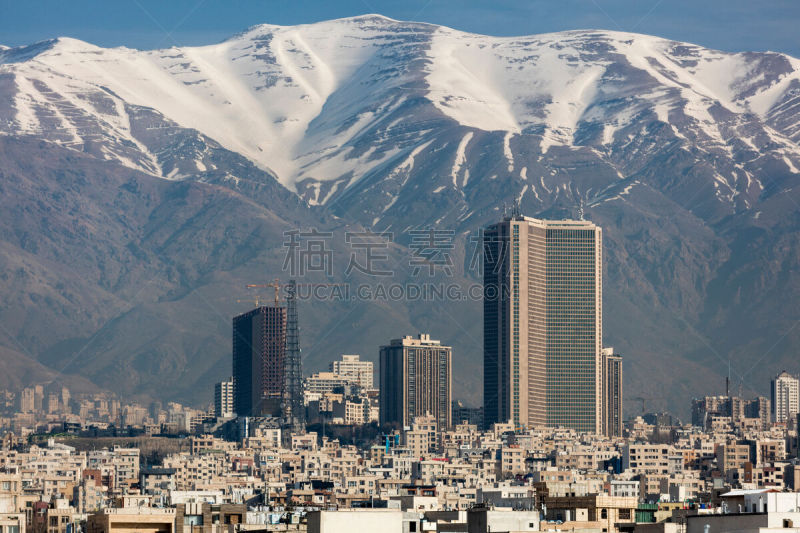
x,y
27,401
734,410
415,380
612,393
65,397
354,370
38,397
543,323
259,361
785,397
223,399
52,403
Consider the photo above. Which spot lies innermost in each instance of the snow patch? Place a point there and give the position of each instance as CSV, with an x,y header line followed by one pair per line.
x,y
461,158
507,150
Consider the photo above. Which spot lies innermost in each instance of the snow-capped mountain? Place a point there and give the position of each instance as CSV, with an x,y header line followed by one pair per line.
x,y
322,106
687,155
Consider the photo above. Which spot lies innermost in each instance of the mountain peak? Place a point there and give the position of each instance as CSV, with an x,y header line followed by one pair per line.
x,y
58,45
20,54
370,18
72,44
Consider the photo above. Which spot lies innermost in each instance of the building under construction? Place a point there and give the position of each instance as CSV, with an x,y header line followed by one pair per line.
x,y
267,375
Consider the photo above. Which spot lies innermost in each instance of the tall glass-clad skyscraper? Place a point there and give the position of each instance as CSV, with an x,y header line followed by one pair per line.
x,y
543,323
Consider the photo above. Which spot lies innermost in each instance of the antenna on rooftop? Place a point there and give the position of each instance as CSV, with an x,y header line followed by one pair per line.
x,y
728,380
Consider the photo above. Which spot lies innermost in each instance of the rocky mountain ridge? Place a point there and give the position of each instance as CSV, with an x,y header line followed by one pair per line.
x,y
138,183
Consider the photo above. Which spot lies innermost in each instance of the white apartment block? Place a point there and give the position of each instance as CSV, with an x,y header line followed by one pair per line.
x,y
351,368
785,397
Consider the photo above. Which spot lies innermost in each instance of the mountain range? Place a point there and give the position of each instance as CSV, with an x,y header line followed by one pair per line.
x,y
142,190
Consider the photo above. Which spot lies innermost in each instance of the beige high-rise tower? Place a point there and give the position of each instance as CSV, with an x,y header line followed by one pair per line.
x,y
543,316
612,393
416,380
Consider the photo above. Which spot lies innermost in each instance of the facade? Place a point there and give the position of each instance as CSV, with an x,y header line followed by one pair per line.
x,y
612,393
785,397
27,402
465,414
223,399
543,323
415,380
259,361
354,370
323,382
140,519
12,512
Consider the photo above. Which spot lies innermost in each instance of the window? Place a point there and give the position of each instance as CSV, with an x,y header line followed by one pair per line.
x,y
193,520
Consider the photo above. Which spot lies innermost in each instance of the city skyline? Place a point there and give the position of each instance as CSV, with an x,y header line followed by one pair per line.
x,y
399,266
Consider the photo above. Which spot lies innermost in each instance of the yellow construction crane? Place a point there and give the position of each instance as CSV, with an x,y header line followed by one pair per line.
x,y
276,285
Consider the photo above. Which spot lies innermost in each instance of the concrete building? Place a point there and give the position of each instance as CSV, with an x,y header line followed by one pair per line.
x,y
65,397
485,520
27,403
415,380
259,361
132,519
53,405
159,482
748,511
354,370
612,393
423,436
12,515
223,399
596,512
651,458
785,397
323,382
386,520
203,517
715,412
543,323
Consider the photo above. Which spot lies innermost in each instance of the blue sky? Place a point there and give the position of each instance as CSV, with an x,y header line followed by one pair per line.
x,y
733,25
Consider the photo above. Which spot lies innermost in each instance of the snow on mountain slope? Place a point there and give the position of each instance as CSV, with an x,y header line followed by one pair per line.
x,y
255,93
333,107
